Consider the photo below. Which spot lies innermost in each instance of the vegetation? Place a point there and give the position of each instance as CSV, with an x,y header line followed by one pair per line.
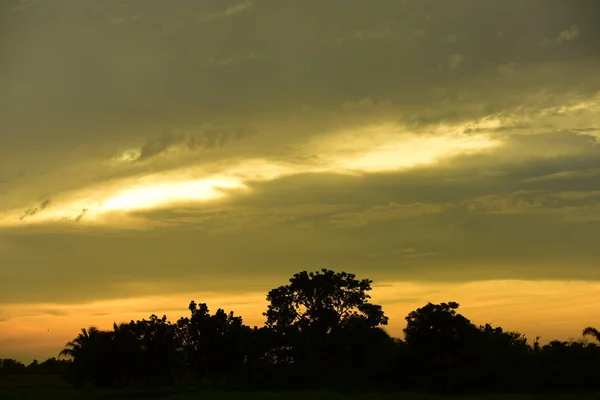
x,y
321,332
46,393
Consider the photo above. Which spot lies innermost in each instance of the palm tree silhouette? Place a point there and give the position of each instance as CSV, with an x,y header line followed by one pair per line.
x,y
76,347
593,332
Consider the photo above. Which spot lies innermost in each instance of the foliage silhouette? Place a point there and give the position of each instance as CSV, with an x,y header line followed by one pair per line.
x,y
593,332
321,301
322,331
214,345
320,317
11,366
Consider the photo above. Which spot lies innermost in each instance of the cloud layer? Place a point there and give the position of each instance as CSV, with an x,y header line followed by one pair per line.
x,y
147,149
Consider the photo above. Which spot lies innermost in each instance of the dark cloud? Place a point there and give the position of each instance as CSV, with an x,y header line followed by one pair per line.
x,y
55,312
588,129
45,204
81,215
33,211
159,145
209,137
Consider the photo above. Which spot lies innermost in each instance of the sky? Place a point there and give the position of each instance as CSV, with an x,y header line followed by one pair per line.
x,y
151,154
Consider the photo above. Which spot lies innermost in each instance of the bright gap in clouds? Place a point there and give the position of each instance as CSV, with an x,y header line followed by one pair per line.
x,y
179,186
413,151
388,148
381,148
395,152
141,198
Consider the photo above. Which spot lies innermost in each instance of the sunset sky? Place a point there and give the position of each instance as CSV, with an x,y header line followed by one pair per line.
x,y
153,152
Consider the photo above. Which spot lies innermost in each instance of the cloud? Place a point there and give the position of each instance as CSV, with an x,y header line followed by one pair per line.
x,y
5,246
226,219
370,149
486,170
383,32
366,104
227,62
81,215
455,60
517,203
22,5
103,202
160,145
452,39
586,129
123,19
564,175
228,12
507,69
210,136
118,20
33,211
569,34
390,147
565,207
407,35
386,213
367,149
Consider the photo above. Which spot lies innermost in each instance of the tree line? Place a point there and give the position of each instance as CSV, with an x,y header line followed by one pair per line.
x,y
322,331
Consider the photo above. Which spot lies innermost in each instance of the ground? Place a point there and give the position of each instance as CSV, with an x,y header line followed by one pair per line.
x,y
51,388
56,393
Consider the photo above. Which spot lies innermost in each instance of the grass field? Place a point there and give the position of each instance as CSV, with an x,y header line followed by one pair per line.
x,y
48,387
62,393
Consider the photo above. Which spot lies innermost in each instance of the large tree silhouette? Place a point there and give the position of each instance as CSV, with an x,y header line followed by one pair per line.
x,y
321,318
323,300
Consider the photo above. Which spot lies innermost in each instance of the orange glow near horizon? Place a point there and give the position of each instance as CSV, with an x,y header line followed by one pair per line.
x,y
550,309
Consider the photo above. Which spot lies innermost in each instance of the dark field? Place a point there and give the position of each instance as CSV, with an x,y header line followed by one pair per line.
x,y
57,393
50,388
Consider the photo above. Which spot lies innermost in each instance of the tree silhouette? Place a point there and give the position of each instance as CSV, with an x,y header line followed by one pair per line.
x,y
93,356
593,332
439,327
323,299
322,331
128,363
54,366
311,315
11,366
440,340
213,344
81,345
158,341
